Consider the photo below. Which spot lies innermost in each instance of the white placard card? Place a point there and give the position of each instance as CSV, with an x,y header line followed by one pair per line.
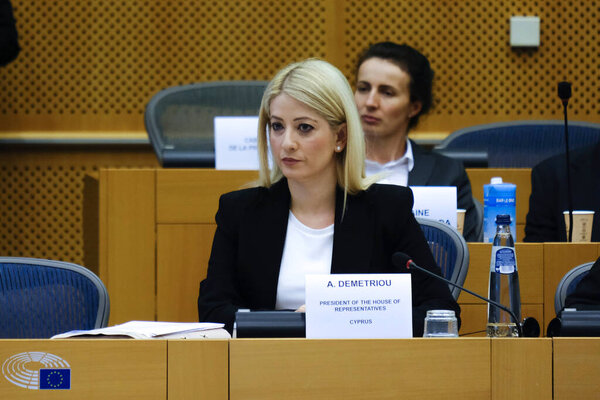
x,y
358,306
435,202
236,143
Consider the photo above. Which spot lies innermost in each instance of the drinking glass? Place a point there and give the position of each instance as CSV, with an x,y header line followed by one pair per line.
x,y
440,324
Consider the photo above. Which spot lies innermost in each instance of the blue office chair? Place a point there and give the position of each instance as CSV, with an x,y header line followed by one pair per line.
x,y
520,144
449,250
180,119
479,213
41,298
568,283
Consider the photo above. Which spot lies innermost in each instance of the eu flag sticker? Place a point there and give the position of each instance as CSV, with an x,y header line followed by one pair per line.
x,y
56,378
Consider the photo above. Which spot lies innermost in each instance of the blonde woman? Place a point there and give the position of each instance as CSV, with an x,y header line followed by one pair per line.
x,y
314,212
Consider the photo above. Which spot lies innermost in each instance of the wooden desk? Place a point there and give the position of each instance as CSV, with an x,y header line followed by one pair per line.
x,y
576,368
466,368
100,369
125,369
156,228
360,369
476,368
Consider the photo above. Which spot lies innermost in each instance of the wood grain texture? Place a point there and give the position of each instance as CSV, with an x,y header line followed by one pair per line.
x,y
360,369
182,259
576,368
192,196
198,369
521,369
130,270
100,369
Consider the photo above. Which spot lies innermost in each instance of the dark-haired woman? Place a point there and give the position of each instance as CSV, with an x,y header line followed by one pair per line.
x,y
393,89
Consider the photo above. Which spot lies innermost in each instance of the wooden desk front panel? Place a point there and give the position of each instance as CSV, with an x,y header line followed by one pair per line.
x,y
100,369
198,369
521,368
360,369
576,368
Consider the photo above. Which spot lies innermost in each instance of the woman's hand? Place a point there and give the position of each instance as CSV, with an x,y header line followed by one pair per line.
x,y
302,308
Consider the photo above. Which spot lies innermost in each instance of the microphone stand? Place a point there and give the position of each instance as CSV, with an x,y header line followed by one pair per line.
x,y
569,193
410,264
564,92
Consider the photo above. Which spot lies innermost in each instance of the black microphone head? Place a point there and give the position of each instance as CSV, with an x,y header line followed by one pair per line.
x,y
401,260
564,90
530,327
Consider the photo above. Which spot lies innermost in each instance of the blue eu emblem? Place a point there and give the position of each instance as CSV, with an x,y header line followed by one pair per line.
x,y
57,378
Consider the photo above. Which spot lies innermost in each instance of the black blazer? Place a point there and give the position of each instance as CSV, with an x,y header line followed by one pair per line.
x,y
433,169
243,268
545,221
9,40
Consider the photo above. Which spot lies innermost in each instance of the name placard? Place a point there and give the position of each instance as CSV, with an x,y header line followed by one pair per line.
x,y
236,143
435,202
358,306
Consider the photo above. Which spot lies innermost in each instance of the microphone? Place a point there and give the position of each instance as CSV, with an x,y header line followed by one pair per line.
x,y
564,93
402,260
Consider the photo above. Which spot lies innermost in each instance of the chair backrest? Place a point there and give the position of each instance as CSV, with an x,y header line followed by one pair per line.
x,y
520,144
180,119
41,298
568,283
449,250
479,211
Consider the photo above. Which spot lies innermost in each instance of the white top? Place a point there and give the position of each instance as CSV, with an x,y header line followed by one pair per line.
x,y
306,251
395,172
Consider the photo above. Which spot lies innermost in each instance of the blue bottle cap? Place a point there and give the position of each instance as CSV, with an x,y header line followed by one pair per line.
x,y
503,219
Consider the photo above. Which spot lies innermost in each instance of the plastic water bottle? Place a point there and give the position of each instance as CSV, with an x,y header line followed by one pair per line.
x,y
504,282
498,198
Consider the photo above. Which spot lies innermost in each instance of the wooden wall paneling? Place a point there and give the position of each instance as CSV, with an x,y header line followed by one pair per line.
x,y
521,369
100,369
559,258
360,369
192,196
576,368
129,272
487,81
182,259
45,211
110,74
198,369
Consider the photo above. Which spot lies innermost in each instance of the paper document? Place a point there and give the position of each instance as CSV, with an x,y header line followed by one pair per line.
x,y
153,330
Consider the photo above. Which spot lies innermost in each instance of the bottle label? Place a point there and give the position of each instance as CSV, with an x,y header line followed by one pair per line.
x,y
503,260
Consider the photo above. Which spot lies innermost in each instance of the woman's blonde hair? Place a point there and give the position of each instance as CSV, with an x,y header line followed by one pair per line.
x,y
322,87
